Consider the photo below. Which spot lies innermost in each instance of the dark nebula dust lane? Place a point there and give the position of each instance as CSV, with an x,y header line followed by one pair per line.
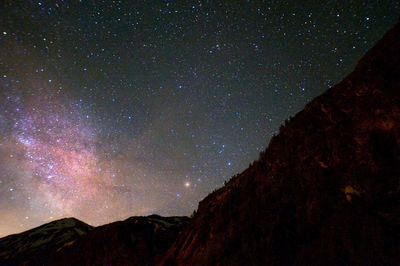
x,y
111,109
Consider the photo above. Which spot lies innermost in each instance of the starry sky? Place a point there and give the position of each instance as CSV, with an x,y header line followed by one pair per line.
x,y
110,109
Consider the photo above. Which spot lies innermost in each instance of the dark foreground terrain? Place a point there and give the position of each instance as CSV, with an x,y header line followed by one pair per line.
x,y
325,191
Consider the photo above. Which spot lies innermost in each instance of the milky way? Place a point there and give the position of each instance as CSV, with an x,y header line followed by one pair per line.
x,y
110,109
55,161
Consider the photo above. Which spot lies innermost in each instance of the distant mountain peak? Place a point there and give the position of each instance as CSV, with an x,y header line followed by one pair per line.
x,y
67,222
30,245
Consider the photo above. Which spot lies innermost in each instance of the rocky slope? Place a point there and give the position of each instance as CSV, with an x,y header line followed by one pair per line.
x,y
326,190
30,246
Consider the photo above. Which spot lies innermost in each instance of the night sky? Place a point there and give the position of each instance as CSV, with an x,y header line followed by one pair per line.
x,y
110,109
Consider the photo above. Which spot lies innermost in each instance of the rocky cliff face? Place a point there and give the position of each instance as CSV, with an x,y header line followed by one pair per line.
x,y
326,190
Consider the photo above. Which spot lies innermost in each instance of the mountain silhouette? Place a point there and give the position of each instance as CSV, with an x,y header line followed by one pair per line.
x,y
325,191
134,241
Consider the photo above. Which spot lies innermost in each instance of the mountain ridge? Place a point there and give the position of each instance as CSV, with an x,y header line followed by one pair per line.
x,y
65,242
